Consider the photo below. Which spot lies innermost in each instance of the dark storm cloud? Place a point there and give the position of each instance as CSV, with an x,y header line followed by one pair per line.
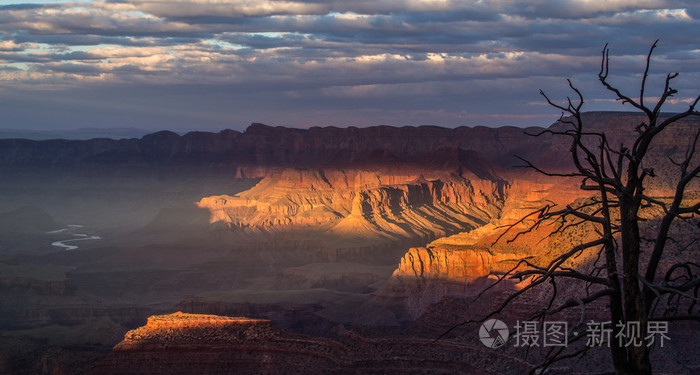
x,y
342,61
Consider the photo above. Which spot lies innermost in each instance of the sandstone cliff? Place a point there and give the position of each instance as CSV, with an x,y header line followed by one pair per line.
x,y
362,203
188,343
465,263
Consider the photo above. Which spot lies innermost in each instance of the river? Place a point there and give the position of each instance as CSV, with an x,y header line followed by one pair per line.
x,y
76,237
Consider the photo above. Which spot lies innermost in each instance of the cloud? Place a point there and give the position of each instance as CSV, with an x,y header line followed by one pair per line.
x,y
9,45
575,9
442,57
193,9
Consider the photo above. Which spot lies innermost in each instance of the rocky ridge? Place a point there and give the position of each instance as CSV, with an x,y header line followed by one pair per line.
x,y
362,203
187,343
193,328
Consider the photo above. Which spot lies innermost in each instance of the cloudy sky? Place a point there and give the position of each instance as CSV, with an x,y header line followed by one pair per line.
x,y
214,64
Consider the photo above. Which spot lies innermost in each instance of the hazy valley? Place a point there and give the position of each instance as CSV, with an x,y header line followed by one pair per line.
x,y
364,244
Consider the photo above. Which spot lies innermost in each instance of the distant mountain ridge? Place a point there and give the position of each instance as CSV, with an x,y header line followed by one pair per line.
x,y
262,146
73,134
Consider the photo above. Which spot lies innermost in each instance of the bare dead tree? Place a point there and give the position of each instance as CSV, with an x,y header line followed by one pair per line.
x,y
627,277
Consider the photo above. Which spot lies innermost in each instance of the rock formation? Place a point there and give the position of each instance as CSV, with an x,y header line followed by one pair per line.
x,y
188,343
259,148
362,203
307,228
193,329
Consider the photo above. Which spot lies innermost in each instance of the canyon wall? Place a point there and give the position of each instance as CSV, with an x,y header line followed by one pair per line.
x,y
189,343
262,146
362,203
314,228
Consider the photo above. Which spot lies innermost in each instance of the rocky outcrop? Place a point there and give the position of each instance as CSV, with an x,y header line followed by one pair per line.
x,y
186,329
465,263
187,343
393,205
461,264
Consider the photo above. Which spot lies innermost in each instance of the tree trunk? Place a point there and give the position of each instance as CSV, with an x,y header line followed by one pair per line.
x,y
638,361
619,355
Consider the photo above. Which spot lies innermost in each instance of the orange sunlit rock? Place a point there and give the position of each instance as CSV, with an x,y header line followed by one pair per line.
x,y
382,203
181,327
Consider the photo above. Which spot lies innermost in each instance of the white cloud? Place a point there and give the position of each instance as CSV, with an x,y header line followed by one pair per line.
x,y
9,45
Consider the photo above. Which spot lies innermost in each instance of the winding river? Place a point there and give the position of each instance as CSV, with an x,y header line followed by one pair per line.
x,y
68,244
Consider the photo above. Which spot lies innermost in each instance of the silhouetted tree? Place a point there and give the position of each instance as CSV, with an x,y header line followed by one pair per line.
x,y
628,269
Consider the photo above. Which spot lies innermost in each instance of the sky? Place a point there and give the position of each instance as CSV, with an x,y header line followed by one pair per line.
x,y
215,64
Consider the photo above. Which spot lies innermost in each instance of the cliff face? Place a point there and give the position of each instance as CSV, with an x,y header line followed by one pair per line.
x,y
410,190
461,264
464,263
390,204
186,329
446,263
189,343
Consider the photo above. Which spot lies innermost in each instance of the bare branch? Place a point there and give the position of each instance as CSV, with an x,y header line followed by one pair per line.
x,y
530,165
568,274
603,78
619,177
573,302
646,74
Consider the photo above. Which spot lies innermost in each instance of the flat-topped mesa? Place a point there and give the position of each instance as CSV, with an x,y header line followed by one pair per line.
x,y
286,352
181,329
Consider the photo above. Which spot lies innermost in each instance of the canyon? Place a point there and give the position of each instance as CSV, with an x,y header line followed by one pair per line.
x,y
342,250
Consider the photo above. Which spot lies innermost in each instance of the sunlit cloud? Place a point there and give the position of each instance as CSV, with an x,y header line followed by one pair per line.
x,y
373,57
9,45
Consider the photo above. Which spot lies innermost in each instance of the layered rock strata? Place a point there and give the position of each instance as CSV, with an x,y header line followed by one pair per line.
x,y
362,203
189,343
